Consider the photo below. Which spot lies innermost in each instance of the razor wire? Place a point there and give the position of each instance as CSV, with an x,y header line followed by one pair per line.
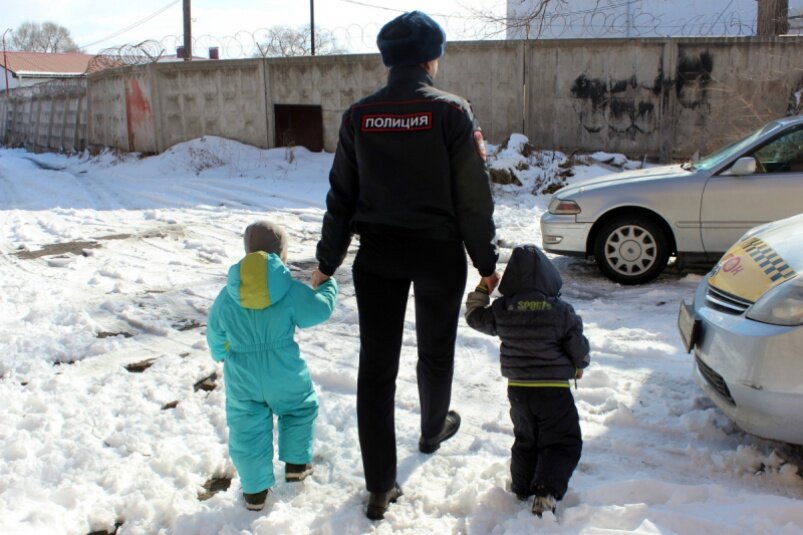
x,y
142,53
625,19
602,22
243,44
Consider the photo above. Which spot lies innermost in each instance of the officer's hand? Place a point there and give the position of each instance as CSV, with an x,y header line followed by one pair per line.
x,y
491,281
578,374
318,278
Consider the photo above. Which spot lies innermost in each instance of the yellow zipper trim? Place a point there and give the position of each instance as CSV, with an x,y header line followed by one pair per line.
x,y
538,384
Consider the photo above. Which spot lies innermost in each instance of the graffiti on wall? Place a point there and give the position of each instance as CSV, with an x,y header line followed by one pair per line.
x,y
692,77
616,108
625,108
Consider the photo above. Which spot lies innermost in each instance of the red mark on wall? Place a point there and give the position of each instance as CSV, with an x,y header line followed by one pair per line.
x,y
137,110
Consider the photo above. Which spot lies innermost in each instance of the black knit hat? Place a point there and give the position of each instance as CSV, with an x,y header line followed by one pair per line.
x,y
410,39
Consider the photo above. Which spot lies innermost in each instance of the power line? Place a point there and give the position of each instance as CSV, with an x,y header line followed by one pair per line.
x,y
133,25
374,6
383,8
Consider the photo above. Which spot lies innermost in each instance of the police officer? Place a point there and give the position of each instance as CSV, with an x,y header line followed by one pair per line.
x,y
409,178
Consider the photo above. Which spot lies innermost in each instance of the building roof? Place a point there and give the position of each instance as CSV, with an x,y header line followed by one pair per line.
x,y
32,63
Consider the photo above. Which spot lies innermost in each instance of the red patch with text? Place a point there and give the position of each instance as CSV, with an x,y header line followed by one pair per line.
x,y
384,122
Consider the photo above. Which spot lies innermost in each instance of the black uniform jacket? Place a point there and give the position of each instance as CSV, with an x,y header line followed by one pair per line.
x,y
542,337
408,159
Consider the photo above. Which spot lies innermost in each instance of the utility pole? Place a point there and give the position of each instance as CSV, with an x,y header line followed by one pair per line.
x,y
773,17
312,25
187,32
5,61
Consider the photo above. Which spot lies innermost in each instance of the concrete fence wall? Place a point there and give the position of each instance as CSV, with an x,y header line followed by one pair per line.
x,y
664,98
660,98
46,117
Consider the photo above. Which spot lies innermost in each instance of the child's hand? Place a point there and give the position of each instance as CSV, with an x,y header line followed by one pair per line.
x,y
578,374
491,281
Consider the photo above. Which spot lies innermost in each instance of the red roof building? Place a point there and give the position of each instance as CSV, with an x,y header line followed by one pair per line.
x,y
28,68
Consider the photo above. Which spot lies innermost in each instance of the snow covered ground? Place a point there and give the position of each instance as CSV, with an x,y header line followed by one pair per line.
x,y
113,412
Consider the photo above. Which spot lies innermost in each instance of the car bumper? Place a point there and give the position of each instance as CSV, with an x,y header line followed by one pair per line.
x,y
561,234
751,370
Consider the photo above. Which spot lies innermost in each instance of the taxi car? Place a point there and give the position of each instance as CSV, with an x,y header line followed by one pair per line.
x,y
745,328
632,222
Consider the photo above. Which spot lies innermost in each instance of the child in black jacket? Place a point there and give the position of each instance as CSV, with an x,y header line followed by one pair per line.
x,y
542,348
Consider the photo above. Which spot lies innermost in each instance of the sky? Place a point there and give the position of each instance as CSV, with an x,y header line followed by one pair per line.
x,y
97,25
233,25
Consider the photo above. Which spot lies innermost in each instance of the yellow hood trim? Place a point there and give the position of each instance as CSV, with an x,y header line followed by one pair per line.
x,y
749,269
254,292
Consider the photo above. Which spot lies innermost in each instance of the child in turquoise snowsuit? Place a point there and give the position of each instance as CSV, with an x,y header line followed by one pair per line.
x,y
250,328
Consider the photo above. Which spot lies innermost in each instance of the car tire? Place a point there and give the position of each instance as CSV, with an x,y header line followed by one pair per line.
x,y
631,249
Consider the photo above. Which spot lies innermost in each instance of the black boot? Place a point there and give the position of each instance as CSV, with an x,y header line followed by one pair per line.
x,y
296,472
450,427
378,502
256,501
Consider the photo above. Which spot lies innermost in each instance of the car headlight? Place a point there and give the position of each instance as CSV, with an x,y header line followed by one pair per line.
x,y
563,207
782,305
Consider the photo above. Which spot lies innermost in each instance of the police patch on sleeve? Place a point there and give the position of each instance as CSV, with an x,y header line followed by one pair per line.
x,y
384,122
480,142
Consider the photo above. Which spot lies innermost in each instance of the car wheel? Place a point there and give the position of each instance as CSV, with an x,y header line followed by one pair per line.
x,y
631,249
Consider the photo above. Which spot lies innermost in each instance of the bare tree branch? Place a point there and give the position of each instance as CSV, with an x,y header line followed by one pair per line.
x,y
45,37
527,23
285,41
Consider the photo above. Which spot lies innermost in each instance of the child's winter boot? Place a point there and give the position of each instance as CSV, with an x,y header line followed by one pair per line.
x,y
256,501
545,503
296,472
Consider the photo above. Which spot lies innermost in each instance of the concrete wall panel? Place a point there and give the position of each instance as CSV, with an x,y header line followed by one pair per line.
x,y
107,122
221,98
724,90
491,77
38,117
333,82
594,94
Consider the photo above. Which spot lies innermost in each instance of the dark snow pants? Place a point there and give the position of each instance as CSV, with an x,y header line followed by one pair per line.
x,y
385,267
548,443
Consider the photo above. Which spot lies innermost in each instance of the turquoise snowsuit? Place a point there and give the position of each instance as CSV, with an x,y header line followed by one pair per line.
x,y
250,328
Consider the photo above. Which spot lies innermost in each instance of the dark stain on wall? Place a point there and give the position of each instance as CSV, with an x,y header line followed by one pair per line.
x,y
622,107
593,91
693,69
626,107
645,108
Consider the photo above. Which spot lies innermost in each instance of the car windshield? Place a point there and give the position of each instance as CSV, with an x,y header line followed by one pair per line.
x,y
716,158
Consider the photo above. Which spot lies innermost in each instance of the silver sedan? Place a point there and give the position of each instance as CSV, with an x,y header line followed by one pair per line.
x,y
632,222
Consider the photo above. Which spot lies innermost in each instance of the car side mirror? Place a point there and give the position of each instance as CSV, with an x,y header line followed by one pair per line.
x,y
743,166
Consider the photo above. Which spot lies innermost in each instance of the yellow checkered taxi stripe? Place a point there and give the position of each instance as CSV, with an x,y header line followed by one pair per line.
x,y
749,269
775,267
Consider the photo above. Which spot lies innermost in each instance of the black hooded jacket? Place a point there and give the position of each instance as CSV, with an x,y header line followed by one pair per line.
x,y
542,337
408,161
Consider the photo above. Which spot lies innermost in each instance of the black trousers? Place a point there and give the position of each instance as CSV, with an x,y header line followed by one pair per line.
x,y
385,267
548,442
